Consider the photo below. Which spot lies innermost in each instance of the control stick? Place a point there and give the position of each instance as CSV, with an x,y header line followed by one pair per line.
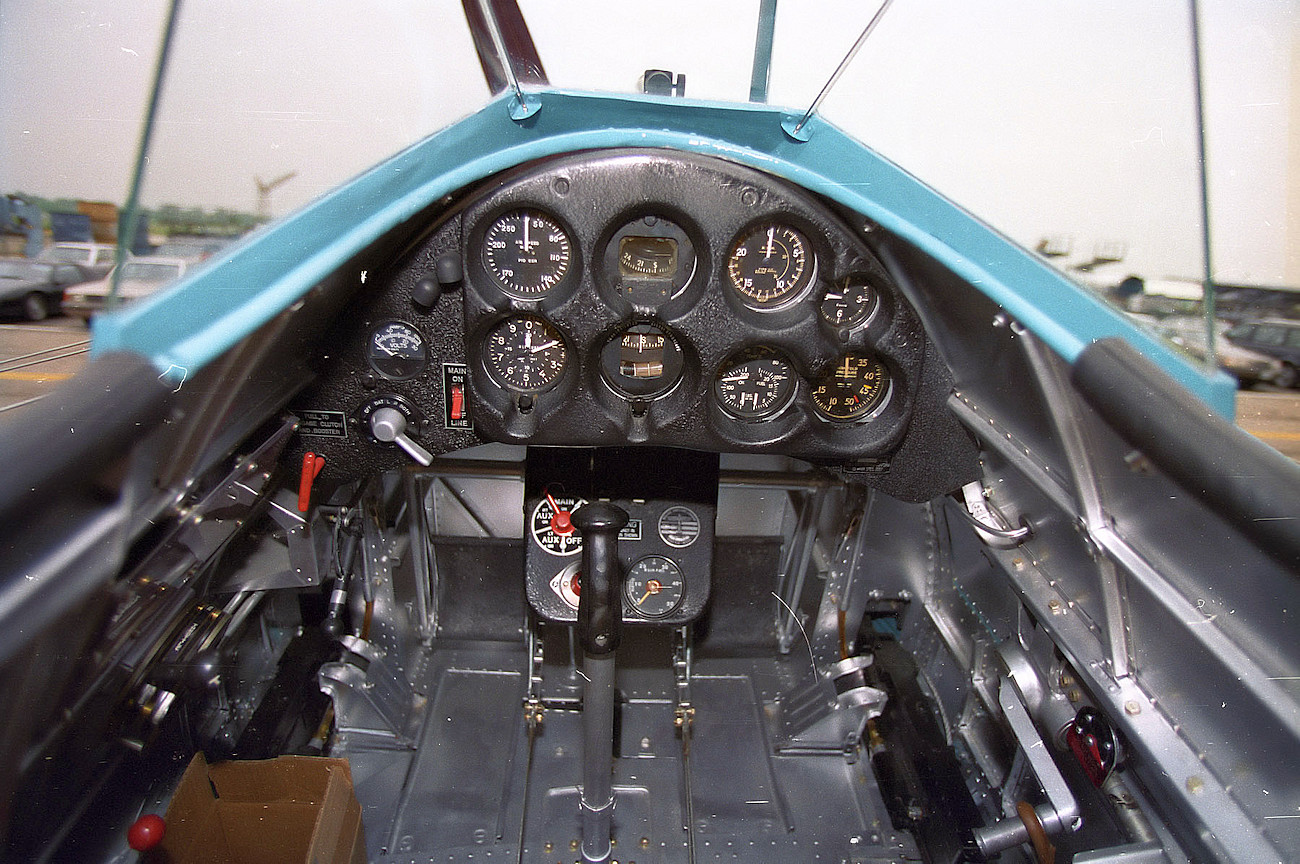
x,y
600,629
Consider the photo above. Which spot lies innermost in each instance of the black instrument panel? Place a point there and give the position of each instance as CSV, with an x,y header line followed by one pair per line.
x,y
636,297
690,302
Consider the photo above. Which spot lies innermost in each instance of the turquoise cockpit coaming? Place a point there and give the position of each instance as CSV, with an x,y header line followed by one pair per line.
x,y
183,329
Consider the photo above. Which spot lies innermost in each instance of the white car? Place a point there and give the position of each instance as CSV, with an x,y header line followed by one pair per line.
x,y
99,258
139,278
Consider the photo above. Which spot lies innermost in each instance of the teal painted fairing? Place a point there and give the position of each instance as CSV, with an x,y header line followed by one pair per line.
x,y
185,328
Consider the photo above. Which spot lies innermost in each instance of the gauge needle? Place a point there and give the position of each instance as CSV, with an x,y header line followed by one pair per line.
x,y
736,378
830,296
767,251
382,347
544,346
526,243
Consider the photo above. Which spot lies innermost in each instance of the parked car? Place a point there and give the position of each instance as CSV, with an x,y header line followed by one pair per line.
x,y
1249,367
98,258
140,277
34,288
1276,337
192,248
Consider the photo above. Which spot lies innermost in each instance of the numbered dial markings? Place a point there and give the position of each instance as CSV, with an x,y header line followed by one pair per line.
x,y
755,384
849,303
654,587
527,252
525,354
854,390
551,525
396,350
770,266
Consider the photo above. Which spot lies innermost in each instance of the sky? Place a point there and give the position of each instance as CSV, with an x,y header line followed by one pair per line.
x,y
1071,119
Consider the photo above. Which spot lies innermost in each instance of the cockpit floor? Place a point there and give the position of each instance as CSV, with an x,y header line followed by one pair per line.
x,y
472,786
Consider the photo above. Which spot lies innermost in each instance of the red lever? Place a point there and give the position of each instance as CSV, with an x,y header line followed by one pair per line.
x,y
146,832
311,466
457,402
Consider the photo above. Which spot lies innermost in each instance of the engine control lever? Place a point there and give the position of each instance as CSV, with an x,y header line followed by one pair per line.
x,y
389,425
600,629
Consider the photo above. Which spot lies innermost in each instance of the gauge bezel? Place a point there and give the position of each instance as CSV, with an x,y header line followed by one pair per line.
x,y
515,291
629,593
377,363
498,376
788,297
746,355
630,388
879,401
862,320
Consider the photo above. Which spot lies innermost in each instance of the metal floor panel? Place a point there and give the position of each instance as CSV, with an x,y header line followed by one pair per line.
x,y
471,784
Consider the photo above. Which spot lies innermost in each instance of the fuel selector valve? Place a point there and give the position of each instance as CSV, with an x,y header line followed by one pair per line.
x,y
388,420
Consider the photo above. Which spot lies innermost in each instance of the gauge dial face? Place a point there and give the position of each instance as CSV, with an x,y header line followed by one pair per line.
x,y
396,350
527,252
525,354
854,390
755,384
654,587
551,525
849,303
770,266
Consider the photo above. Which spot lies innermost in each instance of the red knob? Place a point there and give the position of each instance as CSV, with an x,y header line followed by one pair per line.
x,y
146,832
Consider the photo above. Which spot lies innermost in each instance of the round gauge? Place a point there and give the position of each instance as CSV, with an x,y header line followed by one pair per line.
x,y
679,527
525,354
642,362
770,266
396,350
755,384
850,302
654,587
649,261
551,525
527,252
853,391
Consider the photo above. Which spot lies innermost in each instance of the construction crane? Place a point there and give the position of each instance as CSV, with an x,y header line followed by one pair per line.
x,y
264,189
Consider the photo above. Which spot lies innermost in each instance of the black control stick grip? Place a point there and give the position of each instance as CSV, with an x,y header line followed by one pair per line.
x,y
600,602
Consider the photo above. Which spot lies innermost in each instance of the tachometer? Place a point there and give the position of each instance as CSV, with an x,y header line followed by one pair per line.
x,y
770,265
525,354
527,252
755,383
853,391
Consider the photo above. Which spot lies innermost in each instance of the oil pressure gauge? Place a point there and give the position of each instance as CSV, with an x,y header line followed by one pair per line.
x,y
755,384
853,391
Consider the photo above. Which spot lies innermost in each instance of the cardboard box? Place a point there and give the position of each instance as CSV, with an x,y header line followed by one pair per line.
x,y
298,809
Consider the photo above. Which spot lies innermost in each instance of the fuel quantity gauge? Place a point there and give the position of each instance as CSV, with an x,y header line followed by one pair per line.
x,y
755,384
